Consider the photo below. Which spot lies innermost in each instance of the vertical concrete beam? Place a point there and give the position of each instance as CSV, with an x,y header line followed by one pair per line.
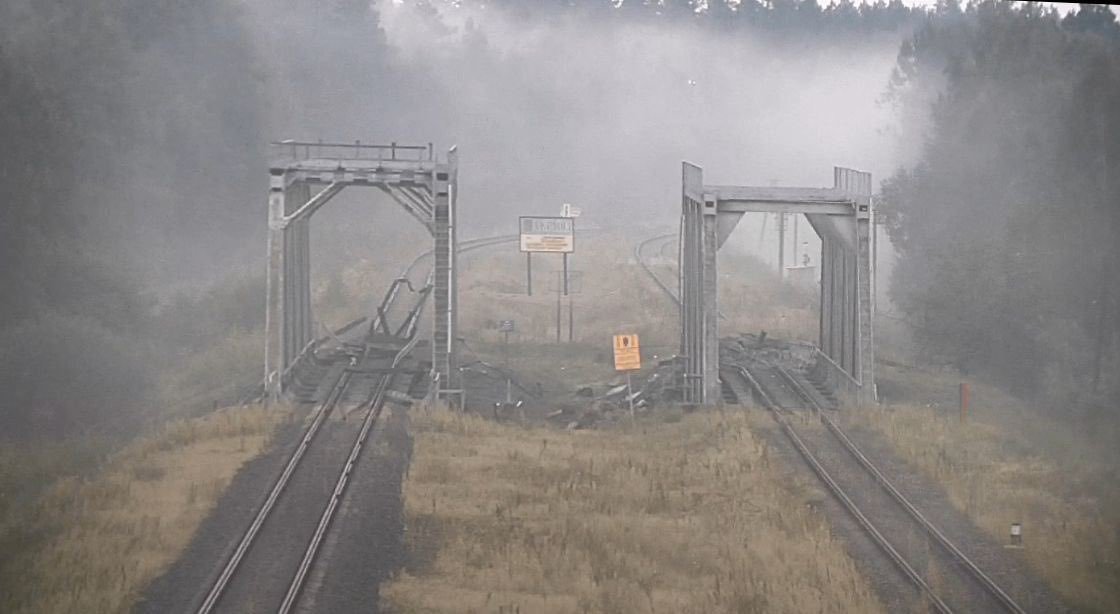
x,y
824,314
710,302
300,232
691,281
453,281
442,340
274,306
862,345
297,283
866,312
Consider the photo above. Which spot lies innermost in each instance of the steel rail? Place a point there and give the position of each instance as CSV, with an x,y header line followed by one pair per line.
x,y
324,408
464,246
877,536
216,591
645,267
657,280
373,412
973,569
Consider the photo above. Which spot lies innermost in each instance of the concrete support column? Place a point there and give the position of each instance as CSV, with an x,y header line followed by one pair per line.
x,y
453,280
299,236
274,306
824,315
443,341
866,324
297,276
691,282
709,302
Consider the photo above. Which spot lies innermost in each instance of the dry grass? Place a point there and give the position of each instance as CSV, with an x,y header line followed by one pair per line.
x,y
1009,463
686,516
114,532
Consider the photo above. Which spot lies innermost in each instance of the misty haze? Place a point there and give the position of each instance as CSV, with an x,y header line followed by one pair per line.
x,y
583,306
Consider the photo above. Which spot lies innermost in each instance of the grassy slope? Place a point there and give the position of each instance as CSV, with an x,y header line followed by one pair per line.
x,y
96,542
686,515
1010,463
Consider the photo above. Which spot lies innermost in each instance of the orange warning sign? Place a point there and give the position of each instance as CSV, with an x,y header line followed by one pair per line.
x,y
627,355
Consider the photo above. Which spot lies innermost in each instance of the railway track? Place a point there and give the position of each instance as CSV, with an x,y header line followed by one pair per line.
x,y
355,370
378,364
661,242
952,582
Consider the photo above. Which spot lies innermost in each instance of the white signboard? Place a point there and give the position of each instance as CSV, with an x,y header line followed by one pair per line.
x,y
569,211
548,234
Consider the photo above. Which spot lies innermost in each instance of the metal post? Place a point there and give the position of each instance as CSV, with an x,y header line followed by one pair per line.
x,y
565,255
529,272
571,320
558,310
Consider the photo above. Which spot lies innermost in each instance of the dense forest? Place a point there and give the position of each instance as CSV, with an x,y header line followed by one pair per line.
x,y
134,140
1008,226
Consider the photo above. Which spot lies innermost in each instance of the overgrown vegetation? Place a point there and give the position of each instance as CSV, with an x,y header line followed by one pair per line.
x,y
1008,462
685,515
90,544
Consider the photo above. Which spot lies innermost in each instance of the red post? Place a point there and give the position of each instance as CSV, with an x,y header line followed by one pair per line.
x,y
965,397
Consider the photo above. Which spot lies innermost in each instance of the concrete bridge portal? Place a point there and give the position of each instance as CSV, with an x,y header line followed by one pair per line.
x,y
841,216
413,177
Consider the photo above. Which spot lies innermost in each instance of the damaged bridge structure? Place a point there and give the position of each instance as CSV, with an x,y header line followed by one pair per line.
x,y
842,216
304,177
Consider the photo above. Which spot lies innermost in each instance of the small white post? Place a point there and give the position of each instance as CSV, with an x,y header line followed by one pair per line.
x,y
630,395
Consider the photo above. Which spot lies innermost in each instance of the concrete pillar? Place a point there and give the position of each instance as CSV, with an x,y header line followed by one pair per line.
x,y
866,323
691,281
274,306
442,230
453,281
710,304
297,282
824,314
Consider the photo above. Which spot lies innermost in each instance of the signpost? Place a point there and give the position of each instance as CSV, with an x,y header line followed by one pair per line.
x,y
628,358
554,235
567,283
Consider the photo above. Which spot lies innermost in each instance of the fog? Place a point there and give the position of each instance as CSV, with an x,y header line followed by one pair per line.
x,y
134,155
601,113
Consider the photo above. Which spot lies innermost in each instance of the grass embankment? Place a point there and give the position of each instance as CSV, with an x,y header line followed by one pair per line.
x,y
1011,463
686,515
90,545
